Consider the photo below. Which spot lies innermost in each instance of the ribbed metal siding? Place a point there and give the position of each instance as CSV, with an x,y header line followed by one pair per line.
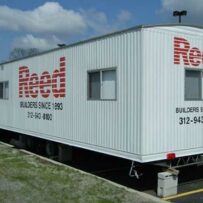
x,y
112,127
163,91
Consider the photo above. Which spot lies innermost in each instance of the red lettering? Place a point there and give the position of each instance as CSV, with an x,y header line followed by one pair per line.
x,y
181,48
190,56
32,85
58,75
23,81
195,57
45,81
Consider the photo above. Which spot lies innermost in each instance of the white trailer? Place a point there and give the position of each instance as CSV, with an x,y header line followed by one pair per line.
x,y
135,94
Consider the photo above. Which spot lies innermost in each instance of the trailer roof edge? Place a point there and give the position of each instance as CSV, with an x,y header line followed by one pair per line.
x,y
135,28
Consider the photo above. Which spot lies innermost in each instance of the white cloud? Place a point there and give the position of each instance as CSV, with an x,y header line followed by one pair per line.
x,y
124,16
29,41
96,20
52,19
48,18
194,8
100,23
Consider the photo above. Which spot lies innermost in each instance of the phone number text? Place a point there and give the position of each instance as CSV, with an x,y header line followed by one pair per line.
x,y
188,120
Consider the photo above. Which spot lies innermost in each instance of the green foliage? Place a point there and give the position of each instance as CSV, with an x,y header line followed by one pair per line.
x,y
17,53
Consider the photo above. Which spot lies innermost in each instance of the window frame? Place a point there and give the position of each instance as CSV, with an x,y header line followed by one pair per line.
x,y
100,72
201,84
4,88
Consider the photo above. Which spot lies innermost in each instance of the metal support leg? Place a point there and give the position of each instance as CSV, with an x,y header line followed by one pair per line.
x,y
133,172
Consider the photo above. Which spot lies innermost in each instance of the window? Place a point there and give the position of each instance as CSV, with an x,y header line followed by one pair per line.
x,y
193,85
94,85
109,84
4,90
102,85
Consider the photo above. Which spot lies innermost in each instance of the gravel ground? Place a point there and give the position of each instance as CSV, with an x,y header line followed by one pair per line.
x,y
26,178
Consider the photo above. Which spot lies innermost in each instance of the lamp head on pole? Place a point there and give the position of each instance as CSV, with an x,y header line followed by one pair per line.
x,y
179,14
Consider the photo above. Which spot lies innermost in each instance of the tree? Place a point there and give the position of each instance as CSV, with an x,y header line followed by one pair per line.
x,y
17,53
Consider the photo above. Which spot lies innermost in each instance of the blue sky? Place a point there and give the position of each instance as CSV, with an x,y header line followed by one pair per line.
x,y
43,24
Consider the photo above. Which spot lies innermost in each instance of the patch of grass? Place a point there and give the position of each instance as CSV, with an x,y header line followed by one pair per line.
x,y
25,178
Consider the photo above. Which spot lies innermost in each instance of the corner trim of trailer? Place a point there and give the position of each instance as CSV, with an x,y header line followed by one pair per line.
x,y
141,94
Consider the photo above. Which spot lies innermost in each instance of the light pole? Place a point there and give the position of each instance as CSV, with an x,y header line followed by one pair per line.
x,y
179,14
